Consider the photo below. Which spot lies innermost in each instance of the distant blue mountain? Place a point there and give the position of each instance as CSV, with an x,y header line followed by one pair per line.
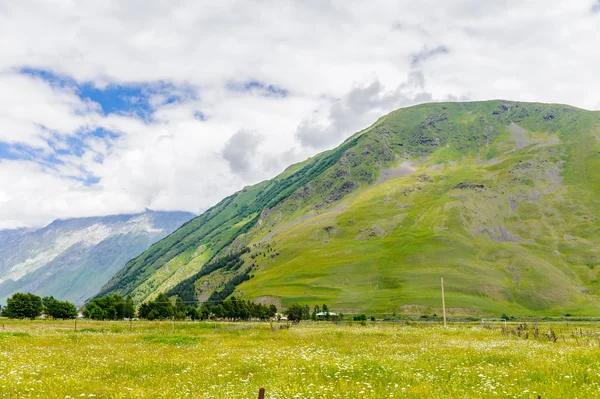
x,y
72,259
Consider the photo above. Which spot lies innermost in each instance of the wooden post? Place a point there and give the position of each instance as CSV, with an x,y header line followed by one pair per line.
x,y
261,393
75,324
443,302
173,323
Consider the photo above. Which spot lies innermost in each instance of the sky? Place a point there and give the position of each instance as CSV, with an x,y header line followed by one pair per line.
x,y
111,107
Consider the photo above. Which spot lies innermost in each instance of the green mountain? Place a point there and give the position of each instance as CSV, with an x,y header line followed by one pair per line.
x,y
500,198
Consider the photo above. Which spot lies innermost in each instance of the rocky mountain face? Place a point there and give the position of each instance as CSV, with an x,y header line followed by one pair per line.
x,y
500,198
71,259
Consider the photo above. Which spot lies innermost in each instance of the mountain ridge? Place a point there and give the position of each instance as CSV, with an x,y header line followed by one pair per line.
x,y
72,258
511,154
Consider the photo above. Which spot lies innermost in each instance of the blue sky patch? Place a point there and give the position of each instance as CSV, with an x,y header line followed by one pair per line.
x,y
23,152
137,99
61,146
199,115
255,86
50,161
76,145
425,54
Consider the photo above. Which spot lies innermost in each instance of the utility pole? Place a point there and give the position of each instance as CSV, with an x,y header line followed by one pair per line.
x,y
443,302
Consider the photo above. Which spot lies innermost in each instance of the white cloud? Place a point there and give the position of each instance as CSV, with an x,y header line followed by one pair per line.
x,y
342,63
357,109
31,110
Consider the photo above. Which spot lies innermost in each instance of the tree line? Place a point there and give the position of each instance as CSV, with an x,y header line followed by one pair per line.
x,y
110,307
30,306
115,307
232,308
297,312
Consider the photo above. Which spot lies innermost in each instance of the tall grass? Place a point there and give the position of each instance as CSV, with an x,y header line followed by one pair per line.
x,y
312,360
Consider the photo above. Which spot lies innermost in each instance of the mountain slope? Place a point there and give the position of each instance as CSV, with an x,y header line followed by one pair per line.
x,y
71,259
498,197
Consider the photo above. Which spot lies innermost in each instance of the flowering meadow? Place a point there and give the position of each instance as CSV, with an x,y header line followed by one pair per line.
x,y
50,359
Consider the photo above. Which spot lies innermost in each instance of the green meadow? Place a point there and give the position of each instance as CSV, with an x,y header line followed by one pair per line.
x,y
512,226
50,359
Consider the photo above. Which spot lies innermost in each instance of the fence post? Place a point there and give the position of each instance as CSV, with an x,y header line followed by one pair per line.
x,y
261,393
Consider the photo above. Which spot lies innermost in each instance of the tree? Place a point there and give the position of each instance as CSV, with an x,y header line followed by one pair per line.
x,y
58,309
193,313
272,310
179,309
94,311
294,312
129,308
305,312
23,306
144,310
325,310
162,307
111,307
159,309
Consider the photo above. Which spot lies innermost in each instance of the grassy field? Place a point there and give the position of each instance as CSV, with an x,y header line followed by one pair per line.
x,y
313,360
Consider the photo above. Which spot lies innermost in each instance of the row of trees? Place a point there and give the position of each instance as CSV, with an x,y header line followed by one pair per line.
x,y
30,306
115,307
297,312
111,307
233,308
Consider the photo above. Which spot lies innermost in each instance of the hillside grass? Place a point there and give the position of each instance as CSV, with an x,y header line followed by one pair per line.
x,y
324,360
384,249
502,203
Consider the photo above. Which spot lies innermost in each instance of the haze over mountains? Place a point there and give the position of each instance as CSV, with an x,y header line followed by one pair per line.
x,y
71,259
499,197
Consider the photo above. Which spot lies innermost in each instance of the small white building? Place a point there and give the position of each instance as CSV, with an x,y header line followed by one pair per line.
x,y
280,317
324,314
